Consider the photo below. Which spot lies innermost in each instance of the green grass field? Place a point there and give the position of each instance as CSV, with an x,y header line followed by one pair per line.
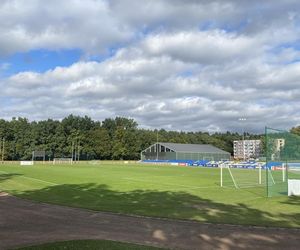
x,y
159,191
89,245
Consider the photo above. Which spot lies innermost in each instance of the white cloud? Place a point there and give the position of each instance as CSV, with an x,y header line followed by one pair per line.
x,y
152,90
184,65
204,47
284,77
88,25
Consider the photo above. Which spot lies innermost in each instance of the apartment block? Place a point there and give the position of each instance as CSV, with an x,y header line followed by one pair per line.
x,y
246,149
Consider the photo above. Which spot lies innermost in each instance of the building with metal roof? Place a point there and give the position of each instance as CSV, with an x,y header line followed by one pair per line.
x,y
178,151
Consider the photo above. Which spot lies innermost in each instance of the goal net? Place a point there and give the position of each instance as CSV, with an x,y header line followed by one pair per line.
x,y
294,170
62,161
38,155
242,175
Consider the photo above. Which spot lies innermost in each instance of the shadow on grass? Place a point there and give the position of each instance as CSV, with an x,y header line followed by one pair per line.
x,y
178,205
89,245
293,200
7,176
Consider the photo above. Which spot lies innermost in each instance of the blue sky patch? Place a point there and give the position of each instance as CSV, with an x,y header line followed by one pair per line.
x,y
39,60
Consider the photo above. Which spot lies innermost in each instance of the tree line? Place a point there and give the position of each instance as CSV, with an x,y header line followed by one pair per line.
x,y
112,139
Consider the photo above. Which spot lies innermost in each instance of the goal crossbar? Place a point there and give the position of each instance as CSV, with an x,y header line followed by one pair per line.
x,y
241,177
62,161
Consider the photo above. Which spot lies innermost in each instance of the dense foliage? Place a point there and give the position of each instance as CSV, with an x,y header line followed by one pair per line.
x,y
118,138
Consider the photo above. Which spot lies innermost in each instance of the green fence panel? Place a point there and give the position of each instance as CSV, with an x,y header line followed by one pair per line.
x,y
282,150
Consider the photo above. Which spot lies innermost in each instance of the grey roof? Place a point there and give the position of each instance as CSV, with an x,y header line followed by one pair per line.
x,y
196,148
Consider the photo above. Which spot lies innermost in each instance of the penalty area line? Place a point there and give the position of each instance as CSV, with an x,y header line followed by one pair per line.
x,y
174,185
35,179
88,192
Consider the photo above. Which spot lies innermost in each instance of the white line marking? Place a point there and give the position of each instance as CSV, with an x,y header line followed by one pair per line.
x,y
176,185
48,182
31,178
89,192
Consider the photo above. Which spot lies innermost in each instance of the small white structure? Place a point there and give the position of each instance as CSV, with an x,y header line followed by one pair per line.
x,y
26,163
293,187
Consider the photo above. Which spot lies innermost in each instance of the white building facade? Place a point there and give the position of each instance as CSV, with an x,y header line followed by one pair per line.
x,y
246,149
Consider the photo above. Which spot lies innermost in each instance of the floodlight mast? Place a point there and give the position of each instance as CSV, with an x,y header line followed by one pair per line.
x,y
157,145
75,151
78,150
72,153
3,140
242,119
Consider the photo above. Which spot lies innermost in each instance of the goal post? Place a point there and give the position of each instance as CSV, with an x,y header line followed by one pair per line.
x,y
62,160
38,155
233,180
223,179
242,176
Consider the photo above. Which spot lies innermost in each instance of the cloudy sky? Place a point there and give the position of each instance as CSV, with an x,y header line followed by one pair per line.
x,y
179,64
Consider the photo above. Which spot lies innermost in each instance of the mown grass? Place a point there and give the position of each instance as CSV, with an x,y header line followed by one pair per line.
x,y
89,245
158,191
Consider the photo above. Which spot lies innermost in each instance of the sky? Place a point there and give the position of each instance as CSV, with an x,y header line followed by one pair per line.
x,y
185,65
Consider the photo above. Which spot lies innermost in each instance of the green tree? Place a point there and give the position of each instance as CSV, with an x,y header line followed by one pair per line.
x,y
97,144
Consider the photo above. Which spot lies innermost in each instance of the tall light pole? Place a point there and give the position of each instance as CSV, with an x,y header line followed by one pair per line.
x,y
3,150
72,152
157,145
242,119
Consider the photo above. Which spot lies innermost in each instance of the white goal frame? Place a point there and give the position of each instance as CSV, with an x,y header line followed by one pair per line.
x,y
62,161
227,166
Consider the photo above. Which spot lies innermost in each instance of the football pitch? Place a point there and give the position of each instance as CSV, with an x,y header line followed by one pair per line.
x,y
157,191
